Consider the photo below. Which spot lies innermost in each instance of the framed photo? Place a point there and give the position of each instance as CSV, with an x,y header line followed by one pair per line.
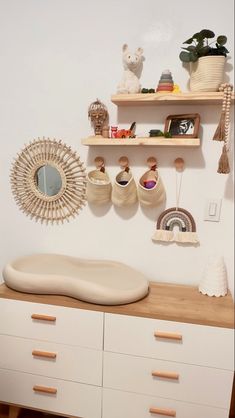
x,y
183,126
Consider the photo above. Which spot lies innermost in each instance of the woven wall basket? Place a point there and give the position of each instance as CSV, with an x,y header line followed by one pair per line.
x,y
151,197
99,187
207,73
124,195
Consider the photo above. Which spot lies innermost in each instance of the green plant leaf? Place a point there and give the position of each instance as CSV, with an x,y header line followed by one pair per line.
x,y
221,40
206,33
193,56
197,36
222,49
190,48
189,41
204,51
185,56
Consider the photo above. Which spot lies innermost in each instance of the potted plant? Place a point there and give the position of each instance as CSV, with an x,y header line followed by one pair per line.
x,y
206,57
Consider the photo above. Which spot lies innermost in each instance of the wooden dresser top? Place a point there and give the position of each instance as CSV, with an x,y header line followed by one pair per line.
x,y
169,302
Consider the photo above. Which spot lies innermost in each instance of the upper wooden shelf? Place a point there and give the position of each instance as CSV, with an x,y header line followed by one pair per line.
x,y
152,99
145,141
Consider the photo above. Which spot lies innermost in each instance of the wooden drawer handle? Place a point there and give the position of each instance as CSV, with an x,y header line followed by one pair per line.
x,y
45,354
166,375
168,335
44,389
40,317
165,412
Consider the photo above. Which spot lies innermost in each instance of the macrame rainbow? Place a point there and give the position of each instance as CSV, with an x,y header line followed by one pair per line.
x,y
176,217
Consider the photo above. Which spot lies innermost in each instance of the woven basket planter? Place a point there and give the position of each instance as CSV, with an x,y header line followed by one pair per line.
x,y
124,195
151,197
207,73
99,187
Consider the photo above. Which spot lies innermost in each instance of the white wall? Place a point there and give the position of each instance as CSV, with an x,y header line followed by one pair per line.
x,y
59,55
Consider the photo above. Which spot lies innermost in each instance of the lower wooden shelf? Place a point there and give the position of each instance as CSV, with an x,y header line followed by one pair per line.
x,y
142,141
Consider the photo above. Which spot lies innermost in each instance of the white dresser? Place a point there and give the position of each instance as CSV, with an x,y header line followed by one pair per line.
x,y
170,354
51,358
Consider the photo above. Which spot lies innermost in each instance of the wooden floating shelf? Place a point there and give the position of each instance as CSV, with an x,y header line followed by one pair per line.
x,y
152,99
144,141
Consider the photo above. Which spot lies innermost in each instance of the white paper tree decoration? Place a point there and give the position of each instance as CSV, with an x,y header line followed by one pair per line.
x,y
214,282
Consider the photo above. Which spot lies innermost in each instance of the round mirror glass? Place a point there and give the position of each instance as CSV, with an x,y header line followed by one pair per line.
x,y
48,180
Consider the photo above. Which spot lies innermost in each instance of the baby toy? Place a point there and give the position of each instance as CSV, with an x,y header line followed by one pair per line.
x,y
126,133
166,83
144,90
98,115
114,130
158,132
132,64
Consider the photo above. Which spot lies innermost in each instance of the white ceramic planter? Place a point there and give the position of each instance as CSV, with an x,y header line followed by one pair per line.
x,y
207,73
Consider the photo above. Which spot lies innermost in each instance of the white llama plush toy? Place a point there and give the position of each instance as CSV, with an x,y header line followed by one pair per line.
x,y
133,64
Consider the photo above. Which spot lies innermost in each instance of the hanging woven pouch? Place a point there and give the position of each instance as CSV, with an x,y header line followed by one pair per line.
x,y
99,187
151,197
124,191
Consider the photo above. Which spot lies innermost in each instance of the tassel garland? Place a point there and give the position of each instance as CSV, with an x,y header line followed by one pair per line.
x,y
223,167
222,131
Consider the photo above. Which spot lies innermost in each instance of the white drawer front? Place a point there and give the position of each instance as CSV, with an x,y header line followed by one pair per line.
x,y
50,359
71,398
117,404
70,326
196,384
200,345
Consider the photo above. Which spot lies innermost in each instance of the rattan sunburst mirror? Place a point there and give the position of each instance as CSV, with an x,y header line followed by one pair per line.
x,y
49,181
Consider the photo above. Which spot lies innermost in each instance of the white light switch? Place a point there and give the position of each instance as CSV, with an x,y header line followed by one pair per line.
x,y
212,210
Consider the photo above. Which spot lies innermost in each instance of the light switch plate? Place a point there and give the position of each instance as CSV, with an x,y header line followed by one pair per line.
x,y
212,210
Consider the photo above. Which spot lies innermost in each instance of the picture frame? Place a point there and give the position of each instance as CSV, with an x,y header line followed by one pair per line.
x,y
183,126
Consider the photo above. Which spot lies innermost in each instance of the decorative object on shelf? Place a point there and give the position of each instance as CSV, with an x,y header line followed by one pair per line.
x,y
153,133
222,131
144,90
214,282
207,62
99,186
114,130
124,191
183,126
176,88
132,64
105,132
151,191
126,133
98,115
48,181
176,216
166,83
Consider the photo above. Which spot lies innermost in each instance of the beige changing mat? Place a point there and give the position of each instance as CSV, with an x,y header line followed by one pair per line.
x,y
96,281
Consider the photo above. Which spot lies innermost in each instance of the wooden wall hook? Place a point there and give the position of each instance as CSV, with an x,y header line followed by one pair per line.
x,y
124,163
99,163
152,163
179,164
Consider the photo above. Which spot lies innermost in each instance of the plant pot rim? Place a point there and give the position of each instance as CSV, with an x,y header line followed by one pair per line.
x,y
212,56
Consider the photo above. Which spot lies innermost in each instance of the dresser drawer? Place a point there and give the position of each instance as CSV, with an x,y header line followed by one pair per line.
x,y
67,398
117,404
166,340
196,384
52,323
50,359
